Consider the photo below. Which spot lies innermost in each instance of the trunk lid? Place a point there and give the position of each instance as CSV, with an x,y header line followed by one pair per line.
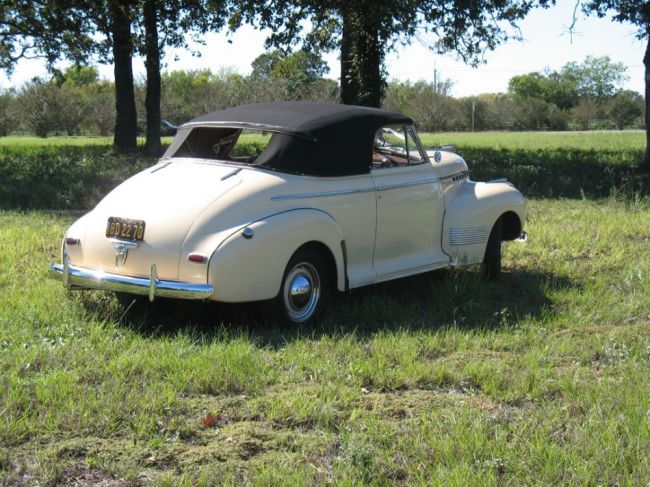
x,y
168,198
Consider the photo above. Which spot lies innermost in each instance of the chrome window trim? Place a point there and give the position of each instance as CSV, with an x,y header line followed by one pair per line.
x,y
418,144
252,126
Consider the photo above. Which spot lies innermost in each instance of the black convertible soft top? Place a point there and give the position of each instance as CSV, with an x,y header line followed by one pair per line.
x,y
318,139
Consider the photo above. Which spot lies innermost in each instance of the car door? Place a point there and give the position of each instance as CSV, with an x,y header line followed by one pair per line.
x,y
410,206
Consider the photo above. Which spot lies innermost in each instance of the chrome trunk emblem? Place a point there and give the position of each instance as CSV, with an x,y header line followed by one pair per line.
x,y
122,251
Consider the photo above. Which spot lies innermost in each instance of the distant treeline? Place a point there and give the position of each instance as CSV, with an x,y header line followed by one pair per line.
x,y
578,97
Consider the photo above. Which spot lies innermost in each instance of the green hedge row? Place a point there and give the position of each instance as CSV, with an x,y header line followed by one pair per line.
x,y
67,177
568,173
62,177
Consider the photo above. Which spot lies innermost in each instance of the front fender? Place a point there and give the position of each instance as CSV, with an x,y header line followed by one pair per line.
x,y
470,215
251,269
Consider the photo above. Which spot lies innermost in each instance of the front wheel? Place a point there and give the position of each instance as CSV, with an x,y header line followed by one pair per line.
x,y
305,288
492,260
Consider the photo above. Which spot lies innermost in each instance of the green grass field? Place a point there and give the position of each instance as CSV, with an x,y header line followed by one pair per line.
x,y
19,141
622,140
539,378
599,140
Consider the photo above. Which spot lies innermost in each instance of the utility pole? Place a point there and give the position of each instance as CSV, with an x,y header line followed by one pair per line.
x,y
435,78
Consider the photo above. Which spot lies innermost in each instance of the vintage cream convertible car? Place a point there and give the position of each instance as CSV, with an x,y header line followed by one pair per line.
x,y
289,201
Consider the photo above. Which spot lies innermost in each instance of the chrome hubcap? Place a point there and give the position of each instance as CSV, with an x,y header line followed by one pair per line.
x,y
301,292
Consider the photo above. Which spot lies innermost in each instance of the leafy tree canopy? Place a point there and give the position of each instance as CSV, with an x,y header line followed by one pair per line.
x,y
364,30
596,76
301,66
48,29
635,12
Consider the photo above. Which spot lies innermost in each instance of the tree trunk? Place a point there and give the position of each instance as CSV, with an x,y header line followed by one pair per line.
x,y
152,62
646,62
125,114
362,56
370,62
349,83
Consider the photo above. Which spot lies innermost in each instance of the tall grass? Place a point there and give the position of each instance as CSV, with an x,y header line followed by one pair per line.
x,y
441,378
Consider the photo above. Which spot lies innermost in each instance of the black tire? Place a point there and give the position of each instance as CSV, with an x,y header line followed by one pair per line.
x,y
305,288
491,267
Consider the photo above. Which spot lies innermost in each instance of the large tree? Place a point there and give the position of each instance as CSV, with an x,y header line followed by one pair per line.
x,y
636,12
61,29
56,29
121,42
170,24
365,30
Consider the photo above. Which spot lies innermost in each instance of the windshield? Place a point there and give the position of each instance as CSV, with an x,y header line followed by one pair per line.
x,y
398,143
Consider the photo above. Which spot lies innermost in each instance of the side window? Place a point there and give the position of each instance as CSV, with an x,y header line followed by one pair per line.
x,y
395,146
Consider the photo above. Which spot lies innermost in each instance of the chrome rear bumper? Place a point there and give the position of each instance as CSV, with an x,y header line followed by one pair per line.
x,y
81,278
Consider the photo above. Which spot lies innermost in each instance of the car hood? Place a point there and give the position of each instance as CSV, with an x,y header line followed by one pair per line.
x,y
169,197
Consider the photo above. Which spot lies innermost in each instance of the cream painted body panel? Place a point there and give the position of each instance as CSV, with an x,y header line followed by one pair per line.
x,y
349,202
153,195
252,269
446,164
410,210
472,210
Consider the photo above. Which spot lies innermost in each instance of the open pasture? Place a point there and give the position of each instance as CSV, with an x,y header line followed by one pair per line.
x,y
438,378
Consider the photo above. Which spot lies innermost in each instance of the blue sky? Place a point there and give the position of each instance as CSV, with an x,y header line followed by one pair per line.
x,y
546,44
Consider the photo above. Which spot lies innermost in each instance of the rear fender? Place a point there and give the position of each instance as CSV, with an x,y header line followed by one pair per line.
x,y
251,269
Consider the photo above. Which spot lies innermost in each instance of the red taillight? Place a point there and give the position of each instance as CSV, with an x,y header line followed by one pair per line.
x,y
72,241
198,258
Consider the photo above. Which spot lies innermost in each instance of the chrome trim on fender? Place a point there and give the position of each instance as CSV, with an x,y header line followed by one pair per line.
x,y
469,236
321,194
80,277
386,187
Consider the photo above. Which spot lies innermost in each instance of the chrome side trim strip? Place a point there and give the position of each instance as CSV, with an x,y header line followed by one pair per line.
x,y
80,277
321,194
324,194
469,236
406,185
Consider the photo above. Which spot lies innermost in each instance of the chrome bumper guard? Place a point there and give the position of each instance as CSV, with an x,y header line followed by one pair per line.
x,y
81,278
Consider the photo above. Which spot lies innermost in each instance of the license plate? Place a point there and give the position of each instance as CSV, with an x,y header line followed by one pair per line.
x,y
125,229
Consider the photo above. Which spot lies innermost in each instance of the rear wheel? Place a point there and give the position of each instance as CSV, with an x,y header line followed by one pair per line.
x,y
305,288
491,267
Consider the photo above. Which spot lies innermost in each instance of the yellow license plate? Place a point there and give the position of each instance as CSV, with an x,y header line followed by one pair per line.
x,y
125,229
